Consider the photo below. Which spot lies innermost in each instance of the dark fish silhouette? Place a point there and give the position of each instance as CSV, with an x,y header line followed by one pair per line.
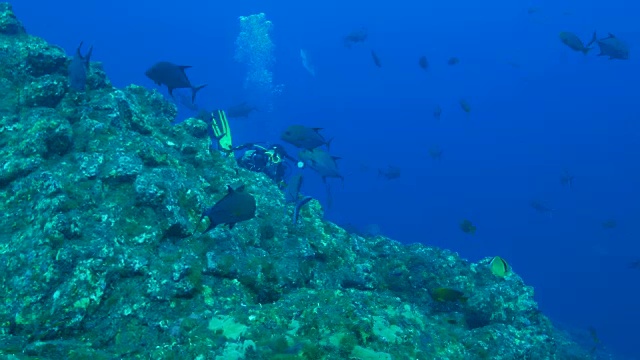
x,y
467,227
453,61
355,36
322,162
233,208
390,173
304,137
241,110
448,295
541,207
566,179
423,62
435,153
173,76
78,69
299,205
376,59
294,185
573,41
437,112
609,224
612,47
464,105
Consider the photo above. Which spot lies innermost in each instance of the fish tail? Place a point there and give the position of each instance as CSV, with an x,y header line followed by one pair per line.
x,y
593,39
296,211
194,91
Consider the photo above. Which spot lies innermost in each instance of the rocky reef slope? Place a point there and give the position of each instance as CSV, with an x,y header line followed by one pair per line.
x,y
100,198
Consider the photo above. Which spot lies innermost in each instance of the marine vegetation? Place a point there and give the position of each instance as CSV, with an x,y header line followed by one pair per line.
x,y
100,194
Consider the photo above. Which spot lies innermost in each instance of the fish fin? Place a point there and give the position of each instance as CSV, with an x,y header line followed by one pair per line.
x,y
230,189
336,157
316,129
87,57
593,39
611,36
170,91
183,67
329,144
231,225
194,91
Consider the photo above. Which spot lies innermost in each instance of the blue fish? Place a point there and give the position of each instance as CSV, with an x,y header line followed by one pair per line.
x,y
173,76
78,69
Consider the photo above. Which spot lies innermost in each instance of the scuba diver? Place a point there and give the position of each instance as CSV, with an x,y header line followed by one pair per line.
x,y
272,160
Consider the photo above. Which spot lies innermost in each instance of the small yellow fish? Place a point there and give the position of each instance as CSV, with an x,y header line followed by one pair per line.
x,y
499,267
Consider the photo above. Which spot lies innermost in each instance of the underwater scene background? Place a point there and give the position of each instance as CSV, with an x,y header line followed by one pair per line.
x,y
485,195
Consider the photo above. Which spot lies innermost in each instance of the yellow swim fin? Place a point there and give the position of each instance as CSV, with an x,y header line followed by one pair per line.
x,y
221,131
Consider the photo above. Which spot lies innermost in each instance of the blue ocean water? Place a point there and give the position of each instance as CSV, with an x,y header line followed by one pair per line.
x,y
537,108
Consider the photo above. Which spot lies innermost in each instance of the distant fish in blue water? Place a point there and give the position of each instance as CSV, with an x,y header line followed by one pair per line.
x,y
437,112
541,207
533,10
465,106
566,179
376,59
322,162
435,152
78,69
390,173
573,41
355,36
613,47
304,137
467,227
453,61
609,224
242,110
173,76
423,63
